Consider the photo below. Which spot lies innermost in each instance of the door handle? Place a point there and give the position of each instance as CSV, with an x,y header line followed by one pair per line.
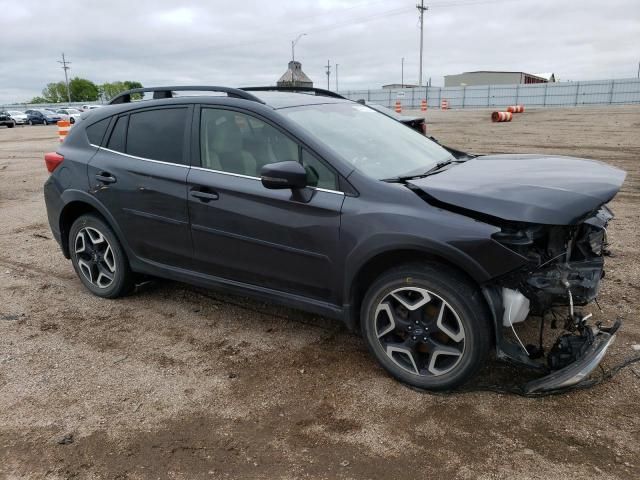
x,y
105,177
204,196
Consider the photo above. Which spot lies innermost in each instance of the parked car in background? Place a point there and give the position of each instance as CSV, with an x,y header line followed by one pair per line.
x,y
6,120
419,124
70,114
20,118
42,115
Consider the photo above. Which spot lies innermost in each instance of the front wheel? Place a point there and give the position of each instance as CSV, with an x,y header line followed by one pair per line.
x,y
11,125
427,325
98,258
44,122
30,122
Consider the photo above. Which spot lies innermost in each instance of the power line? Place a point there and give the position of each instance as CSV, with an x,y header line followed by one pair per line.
x,y
66,76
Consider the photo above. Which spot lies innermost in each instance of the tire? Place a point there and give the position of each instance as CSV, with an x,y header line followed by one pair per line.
x,y
427,325
30,122
44,122
72,120
11,125
98,258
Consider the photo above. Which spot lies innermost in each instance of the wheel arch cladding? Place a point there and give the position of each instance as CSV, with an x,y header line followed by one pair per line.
x,y
80,205
382,262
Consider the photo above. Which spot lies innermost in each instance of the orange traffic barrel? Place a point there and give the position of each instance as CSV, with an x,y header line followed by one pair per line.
x,y
398,106
444,105
423,105
501,116
63,129
515,108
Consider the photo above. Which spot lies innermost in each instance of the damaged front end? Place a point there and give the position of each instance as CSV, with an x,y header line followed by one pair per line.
x,y
565,264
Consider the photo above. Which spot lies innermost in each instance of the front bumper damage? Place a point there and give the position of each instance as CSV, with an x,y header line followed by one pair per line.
x,y
564,269
581,368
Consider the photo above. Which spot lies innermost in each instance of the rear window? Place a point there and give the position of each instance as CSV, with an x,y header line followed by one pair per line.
x,y
96,132
118,138
158,134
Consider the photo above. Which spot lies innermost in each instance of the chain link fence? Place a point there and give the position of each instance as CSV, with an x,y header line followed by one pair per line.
x,y
564,94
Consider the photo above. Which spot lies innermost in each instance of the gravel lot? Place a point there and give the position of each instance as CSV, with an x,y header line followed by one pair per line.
x,y
179,382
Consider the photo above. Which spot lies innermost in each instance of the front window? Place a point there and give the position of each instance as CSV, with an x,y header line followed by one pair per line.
x,y
235,142
375,144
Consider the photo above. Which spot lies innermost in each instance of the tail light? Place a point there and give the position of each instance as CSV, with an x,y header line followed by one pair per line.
x,y
53,160
424,127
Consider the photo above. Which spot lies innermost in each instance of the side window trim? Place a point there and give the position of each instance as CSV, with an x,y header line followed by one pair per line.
x,y
196,159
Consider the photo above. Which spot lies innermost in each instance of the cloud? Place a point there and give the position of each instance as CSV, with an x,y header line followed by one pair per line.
x,y
248,43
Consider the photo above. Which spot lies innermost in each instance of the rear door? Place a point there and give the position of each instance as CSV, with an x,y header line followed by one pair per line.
x,y
244,232
140,176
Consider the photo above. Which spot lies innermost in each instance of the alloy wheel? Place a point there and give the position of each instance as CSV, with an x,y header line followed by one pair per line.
x,y
419,331
95,257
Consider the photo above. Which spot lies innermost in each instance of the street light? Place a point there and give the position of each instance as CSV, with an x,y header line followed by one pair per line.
x,y
293,46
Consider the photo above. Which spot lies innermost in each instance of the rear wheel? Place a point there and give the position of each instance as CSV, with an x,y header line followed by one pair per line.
x,y
427,325
98,258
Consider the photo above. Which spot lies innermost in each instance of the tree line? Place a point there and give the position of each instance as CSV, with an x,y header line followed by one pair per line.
x,y
83,90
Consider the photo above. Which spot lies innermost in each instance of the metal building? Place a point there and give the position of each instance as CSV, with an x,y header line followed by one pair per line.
x,y
294,76
485,77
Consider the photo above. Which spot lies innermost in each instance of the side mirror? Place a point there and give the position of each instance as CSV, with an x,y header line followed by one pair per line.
x,y
283,175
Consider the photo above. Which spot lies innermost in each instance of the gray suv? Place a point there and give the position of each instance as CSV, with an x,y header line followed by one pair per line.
x,y
307,199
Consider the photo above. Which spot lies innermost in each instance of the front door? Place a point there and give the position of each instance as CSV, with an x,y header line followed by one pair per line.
x,y
244,232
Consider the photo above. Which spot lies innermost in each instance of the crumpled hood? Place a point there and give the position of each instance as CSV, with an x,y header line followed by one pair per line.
x,y
544,189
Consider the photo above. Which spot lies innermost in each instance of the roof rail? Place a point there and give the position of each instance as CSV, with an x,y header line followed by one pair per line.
x,y
167,92
318,91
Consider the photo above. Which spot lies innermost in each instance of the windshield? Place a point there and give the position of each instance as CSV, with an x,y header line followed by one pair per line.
x,y
375,144
73,111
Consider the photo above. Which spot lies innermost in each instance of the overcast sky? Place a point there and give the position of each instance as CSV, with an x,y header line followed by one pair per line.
x,y
248,42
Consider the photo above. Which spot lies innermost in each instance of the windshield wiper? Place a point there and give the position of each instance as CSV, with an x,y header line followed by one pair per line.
x,y
431,171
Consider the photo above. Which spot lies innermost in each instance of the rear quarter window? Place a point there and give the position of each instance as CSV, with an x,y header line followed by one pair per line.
x,y
95,132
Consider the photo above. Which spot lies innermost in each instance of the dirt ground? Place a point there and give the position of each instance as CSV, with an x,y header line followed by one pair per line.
x,y
178,382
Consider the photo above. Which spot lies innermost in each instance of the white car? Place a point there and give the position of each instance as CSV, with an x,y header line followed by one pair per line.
x,y
19,117
72,115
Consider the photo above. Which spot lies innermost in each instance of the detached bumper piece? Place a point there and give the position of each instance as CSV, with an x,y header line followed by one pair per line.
x,y
577,371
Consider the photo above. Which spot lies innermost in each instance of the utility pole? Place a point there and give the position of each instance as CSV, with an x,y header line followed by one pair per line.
x,y
638,69
421,8
293,46
328,74
402,73
66,76
337,64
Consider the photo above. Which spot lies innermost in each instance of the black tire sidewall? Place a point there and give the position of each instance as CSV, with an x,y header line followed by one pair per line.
x,y
122,281
460,295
